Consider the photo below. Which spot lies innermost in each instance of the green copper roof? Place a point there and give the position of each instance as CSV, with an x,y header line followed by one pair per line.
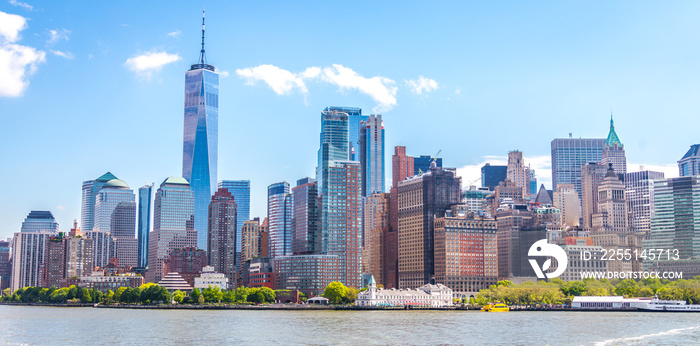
x,y
106,177
612,136
175,181
116,183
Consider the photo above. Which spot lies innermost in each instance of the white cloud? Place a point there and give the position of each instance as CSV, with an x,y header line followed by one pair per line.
x,y
174,34
421,85
381,89
57,35
281,81
145,64
21,4
541,164
65,55
223,74
61,207
17,62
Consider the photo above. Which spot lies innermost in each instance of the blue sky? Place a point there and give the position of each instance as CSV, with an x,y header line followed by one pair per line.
x,y
90,87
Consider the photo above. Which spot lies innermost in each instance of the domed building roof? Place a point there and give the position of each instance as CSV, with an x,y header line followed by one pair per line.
x,y
115,184
106,177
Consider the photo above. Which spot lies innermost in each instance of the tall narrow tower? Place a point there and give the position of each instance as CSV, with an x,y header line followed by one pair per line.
x,y
614,151
201,137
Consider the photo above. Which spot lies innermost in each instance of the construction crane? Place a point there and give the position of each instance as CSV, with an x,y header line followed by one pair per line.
x,y
436,156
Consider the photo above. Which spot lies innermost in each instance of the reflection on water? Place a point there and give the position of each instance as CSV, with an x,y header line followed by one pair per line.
x,y
44,325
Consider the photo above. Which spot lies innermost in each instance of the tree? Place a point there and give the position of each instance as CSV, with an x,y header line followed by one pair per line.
x,y
242,294
229,297
200,299
178,296
627,288
645,292
212,294
574,288
85,296
118,293
336,292
195,294
109,297
72,292
352,295
268,295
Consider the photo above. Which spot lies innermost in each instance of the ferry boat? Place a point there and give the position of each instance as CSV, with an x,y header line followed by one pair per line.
x,y
657,304
495,307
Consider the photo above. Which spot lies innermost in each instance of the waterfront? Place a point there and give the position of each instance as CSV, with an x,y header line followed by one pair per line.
x,y
50,325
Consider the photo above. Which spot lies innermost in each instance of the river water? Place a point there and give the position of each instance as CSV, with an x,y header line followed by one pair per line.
x,y
82,326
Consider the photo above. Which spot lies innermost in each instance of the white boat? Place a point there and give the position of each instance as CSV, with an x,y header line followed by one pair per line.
x,y
657,304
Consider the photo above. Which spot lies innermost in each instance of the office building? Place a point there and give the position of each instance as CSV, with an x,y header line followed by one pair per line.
x,y
421,198
533,181
402,168
240,190
492,175
221,238
674,224
566,199
517,172
29,249
611,210
173,224
466,251
114,217
306,237
89,192
689,164
639,193
144,223
279,219
5,264
474,198
569,155
201,138
592,176
614,151
421,164
372,154
510,224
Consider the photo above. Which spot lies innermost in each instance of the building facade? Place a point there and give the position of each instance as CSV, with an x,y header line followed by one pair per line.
x,y
210,278
29,249
567,200
689,164
173,224
492,175
89,192
375,225
307,273
592,176
279,218
639,193
144,223
240,189
611,211
517,172
614,151
221,239
569,154
252,246
372,154
188,262
306,237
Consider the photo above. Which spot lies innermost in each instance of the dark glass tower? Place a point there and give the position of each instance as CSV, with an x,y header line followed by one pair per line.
x,y
201,137
144,223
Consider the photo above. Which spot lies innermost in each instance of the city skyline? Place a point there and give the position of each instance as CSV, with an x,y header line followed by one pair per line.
x,y
153,106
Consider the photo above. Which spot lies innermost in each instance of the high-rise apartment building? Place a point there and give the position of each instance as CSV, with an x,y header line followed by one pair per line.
x,y
592,176
252,245
492,175
173,224
517,172
689,164
372,154
201,137
421,198
614,151
569,155
54,270
279,218
306,238
402,166
355,117
611,210
375,227
144,223
466,251
221,238
79,253
639,193
29,249
240,190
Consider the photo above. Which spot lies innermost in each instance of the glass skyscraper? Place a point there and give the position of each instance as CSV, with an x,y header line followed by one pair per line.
x,y
90,190
144,226
569,155
201,138
372,154
354,118
240,189
689,164
279,218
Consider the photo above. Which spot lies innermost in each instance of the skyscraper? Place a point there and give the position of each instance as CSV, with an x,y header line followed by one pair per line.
x,y
614,151
240,190
592,175
251,245
492,175
402,167
173,224
29,249
566,199
517,172
611,210
355,117
201,137
90,190
639,193
569,155
144,223
689,164
306,238
221,242
115,214
5,265
372,154
279,215
421,199
376,225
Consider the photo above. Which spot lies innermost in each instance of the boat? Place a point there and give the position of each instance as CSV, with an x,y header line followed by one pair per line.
x,y
658,305
495,307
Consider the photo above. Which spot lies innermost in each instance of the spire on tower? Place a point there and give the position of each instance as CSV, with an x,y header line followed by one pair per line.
x,y
202,63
